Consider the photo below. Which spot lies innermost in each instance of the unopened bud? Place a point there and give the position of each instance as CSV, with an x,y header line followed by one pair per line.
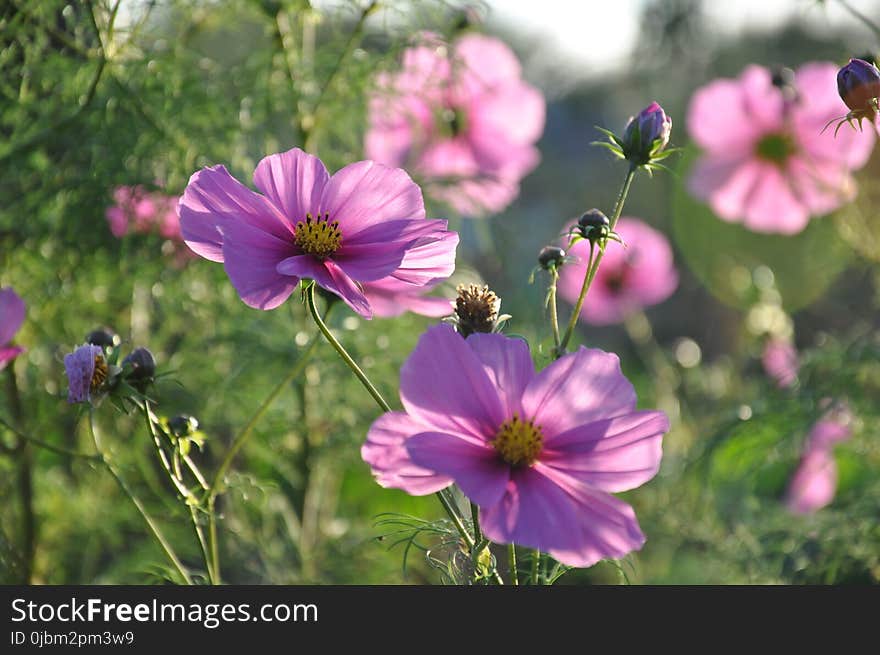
x,y
646,135
551,258
142,367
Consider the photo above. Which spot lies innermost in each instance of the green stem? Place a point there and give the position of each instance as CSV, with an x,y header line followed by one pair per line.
x,y
154,528
25,480
185,493
448,505
248,429
59,450
874,27
340,350
593,265
551,301
350,45
511,558
475,518
536,559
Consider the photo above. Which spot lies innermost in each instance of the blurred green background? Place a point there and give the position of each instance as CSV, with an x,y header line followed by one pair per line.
x,y
175,86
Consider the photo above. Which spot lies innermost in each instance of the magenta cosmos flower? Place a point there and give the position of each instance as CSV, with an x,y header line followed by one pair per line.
x,y
539,453
629,278
766,162
461,118
814,483
12,310
405,291
342,231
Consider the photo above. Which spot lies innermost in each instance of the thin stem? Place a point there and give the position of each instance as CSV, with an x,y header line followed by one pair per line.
x,y
475,518
212,541
593,266
154,528
59,450
551,302
350,45
874,27
248,429
536,559
184,492
448,505
511,558
25,480
338,347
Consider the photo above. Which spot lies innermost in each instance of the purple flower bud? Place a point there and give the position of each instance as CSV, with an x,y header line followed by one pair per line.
x,y
858,84
104,337
551,257
646,135
142,366
86,371
593,225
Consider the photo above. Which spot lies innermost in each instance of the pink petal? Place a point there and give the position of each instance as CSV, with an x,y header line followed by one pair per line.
x,y
616,454
773,207
814,483
763,101
366,193
581,387
516,111
8,353
12,311
475,468
250,258
214,197
385,452
821,186
726,184
294,181
390,298
444,385
348,289
578,529
428,260
484,62
508,364
380,249
718,119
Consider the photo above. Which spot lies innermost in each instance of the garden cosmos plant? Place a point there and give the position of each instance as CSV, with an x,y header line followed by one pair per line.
x,y
355,226
539,453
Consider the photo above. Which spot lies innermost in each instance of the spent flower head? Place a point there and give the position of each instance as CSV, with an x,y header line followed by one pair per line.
x,y
477,310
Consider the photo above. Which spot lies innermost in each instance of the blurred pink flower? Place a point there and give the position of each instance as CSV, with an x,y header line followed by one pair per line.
x,y
766,162
814,483
629,278
539,453
398,293
341,231
780,361
12,310
461,118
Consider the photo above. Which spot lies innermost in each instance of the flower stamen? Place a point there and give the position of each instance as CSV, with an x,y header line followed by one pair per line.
x,y
100,373
519,442
318,237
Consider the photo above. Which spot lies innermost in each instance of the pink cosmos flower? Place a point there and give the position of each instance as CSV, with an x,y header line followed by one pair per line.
x,y
393,295
342,231
461,118
780,361
628,279
12,310
814,483
143,211
539,453
766,162
86,370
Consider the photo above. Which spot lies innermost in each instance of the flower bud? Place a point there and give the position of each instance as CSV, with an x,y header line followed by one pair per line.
x,y
593,225
104,337
646,135
858,84
142,366
551,258
183,425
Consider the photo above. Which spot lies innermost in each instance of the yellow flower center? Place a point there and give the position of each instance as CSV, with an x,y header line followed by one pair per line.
x,y
519,442
100,374
318,236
